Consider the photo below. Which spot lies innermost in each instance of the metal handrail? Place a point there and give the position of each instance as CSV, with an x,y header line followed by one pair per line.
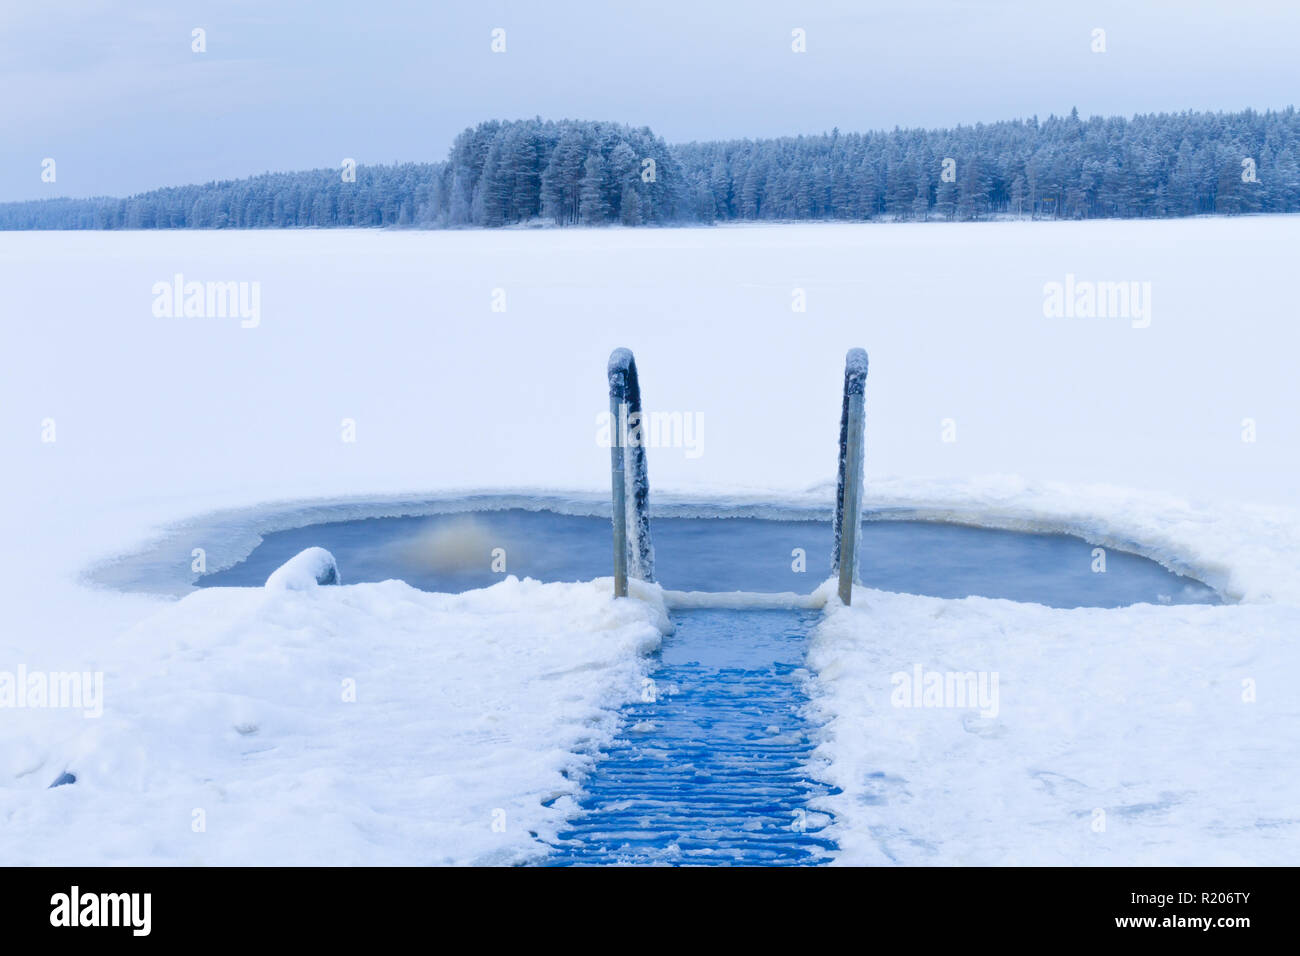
x,y
629,480
848,492
630,484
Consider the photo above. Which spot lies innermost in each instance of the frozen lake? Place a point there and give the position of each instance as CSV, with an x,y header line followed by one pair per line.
x,y
380,369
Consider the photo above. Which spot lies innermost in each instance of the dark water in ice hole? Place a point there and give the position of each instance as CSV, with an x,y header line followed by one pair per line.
x,y
454,553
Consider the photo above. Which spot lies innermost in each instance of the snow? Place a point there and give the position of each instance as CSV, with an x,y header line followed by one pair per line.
x,y
200,434
362,724
1140,714
304,571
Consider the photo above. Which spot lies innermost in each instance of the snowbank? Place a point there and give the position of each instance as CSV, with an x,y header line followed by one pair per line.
x,y
304,571
363,724
1142,735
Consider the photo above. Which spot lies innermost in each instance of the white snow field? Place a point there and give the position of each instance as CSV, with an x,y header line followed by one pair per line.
x,y
1180,724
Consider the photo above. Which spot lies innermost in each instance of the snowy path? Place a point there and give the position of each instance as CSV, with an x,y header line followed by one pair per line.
x,y
709,768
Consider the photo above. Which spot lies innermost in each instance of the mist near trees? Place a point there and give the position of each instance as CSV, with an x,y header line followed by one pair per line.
x,y
570,172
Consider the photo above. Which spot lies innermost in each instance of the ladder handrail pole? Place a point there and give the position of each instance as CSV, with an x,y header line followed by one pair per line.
x,y
641,556
634,554
849,490
618,479
853,481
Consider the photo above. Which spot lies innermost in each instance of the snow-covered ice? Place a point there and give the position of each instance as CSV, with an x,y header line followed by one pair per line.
x,y
363,724
228,700
1119,737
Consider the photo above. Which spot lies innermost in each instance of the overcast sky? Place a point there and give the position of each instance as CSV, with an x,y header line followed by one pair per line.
x,y
113,92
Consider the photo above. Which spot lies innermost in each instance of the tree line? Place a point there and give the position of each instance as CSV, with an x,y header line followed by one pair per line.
x,y
570,172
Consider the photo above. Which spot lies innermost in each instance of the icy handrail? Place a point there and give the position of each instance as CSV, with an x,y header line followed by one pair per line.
x,y
848,506
629,481
855,372
304,571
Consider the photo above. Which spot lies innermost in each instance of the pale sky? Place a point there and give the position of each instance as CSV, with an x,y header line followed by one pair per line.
x,y
111,90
